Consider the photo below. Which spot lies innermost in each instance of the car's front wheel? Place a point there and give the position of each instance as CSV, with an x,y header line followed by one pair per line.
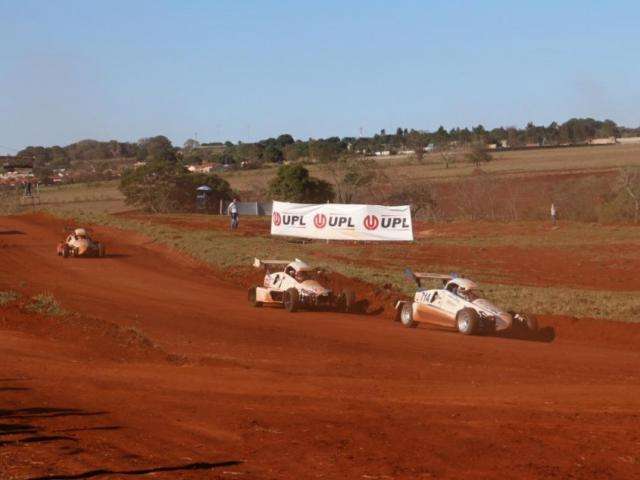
x,y
529,322
346,301
291,300
467,321
406,315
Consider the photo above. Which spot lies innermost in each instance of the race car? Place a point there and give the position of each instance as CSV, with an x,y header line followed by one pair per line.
x,y
79,244
458,305
295,285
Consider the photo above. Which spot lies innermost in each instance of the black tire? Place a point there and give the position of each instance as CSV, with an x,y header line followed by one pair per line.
x,y
252,297
468,321
101,250
291,300
346,301
406,315
65,251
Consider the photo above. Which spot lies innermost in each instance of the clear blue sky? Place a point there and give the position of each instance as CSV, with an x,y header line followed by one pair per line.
x,y
245,70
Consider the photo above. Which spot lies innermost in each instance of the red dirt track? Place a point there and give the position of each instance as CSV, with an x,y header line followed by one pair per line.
x,y
163,368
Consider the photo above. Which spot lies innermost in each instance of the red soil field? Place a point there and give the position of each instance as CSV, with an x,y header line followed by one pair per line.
x,y
164,368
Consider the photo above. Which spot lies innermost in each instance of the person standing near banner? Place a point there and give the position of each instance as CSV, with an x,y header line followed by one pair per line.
x,y
232,210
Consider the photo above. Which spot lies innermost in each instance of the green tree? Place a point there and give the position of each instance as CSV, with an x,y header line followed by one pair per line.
x,y
272,154
157,148
294,184
284,140
162,186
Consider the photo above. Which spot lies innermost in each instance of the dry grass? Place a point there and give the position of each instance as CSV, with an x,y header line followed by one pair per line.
x,y
45,304
93,197
521,162
8,297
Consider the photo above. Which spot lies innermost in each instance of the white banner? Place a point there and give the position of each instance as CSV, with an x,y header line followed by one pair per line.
x,y
335,221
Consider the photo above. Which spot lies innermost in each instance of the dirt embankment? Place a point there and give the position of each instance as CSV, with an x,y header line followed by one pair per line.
x,y
265,394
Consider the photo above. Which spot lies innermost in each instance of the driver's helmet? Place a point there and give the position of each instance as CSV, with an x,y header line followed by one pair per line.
x,y
462,286
80,232
296,268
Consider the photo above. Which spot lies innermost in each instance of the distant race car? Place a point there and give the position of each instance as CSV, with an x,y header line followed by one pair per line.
x,y
79,244
295,285
458,305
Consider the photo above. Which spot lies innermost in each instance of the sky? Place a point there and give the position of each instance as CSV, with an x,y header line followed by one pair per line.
x,y
248,70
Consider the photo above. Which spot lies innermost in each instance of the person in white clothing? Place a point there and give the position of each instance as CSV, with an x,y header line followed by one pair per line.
x,y
554,214
232,210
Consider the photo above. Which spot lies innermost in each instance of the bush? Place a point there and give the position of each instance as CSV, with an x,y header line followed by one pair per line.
x,y
45,304
7,297
294,184
162,187
478,155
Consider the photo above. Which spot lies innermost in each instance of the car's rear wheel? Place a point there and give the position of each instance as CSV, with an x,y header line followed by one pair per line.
x,y
253,297
406,315
291,300
65,251
468,321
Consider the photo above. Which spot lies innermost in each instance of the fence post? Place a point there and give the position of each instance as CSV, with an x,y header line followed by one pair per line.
x,y
327,238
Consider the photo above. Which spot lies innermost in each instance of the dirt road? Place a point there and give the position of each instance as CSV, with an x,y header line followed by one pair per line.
x,y
163,368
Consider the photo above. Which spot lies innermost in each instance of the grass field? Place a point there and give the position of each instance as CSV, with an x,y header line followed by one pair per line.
x,y
520,162
95,196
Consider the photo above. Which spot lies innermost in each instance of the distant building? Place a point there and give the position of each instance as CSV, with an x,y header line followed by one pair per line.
x,y
203,168
603,141
16,174
628,140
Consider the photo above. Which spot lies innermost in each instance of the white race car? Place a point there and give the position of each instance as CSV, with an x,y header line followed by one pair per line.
x,y
79,244
295,285
457,305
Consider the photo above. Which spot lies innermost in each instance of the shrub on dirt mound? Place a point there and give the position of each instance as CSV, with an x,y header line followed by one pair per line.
x,y
163,186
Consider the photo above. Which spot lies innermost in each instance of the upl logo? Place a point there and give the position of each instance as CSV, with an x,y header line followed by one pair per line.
x,y
320,220
288,219
340,221
371,222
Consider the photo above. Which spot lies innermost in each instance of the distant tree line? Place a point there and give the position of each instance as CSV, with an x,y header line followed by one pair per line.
x,y
575,131
285,148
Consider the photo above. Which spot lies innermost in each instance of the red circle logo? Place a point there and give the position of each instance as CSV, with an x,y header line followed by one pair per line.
x,y
371,222
320,220
276,218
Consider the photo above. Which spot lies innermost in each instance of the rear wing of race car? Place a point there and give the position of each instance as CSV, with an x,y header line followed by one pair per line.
x,y
418,277
69,229
271,265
